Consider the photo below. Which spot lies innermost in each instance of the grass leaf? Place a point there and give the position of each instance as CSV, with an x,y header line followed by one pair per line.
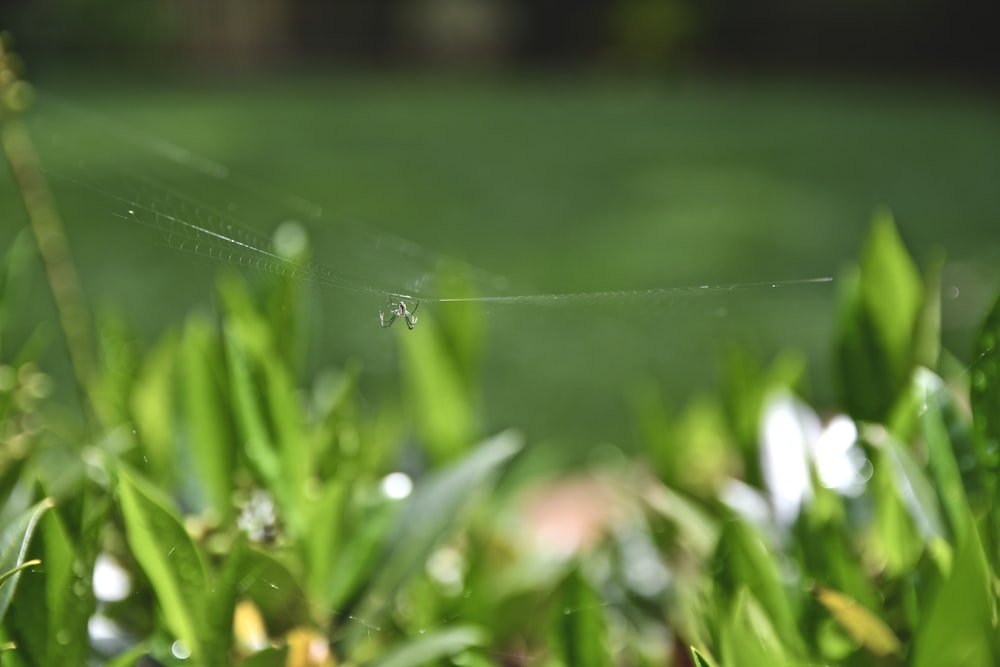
x,y
959,626
169,558
881,301
152,405
699,659
14,543
52,611
985,392
440,399
429,649
748,636
744,562
13,267
69,599
580,632
204,398
433,509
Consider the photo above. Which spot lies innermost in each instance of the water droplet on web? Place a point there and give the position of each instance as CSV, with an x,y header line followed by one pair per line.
x,y
131,212
952,292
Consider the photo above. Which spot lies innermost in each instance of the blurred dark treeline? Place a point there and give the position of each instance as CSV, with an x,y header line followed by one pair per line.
x,y
942,37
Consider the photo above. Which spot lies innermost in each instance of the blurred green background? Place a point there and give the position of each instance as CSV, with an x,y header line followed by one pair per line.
x,y
567,147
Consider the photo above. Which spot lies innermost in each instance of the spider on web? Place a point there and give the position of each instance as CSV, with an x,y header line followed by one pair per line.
x,y
396,309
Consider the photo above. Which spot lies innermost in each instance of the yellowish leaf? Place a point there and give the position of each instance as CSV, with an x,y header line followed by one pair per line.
x,y
861,624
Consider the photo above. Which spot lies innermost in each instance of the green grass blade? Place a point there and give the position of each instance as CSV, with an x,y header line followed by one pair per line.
x,y
899,533
580,629
440,399
744,562
434,508
748,636
326,538
169,558
881,301
152,402
937,435
69,594
699,659
202,386
14,543
960,625
360,556
250,418
985,399
13,270
51,614
429,649
985,392
267,401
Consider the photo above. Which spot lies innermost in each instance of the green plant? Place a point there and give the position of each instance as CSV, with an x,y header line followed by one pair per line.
x,y
254,518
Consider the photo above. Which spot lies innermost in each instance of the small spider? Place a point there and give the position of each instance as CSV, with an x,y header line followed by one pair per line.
x,y
394,310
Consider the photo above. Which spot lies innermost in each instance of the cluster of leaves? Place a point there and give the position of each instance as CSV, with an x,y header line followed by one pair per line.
x,y
901,569
255,524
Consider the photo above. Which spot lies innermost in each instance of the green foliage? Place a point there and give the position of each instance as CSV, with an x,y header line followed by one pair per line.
x,y
579,633
442,403
14,543
985,400
877,343
959,625
168,557
426,650
699,659
250,512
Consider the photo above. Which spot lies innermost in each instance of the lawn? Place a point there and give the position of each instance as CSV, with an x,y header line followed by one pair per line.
x,y
558,185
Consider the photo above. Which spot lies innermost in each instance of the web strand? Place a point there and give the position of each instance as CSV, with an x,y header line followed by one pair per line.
x,y
197,227
619,295
221,240
371,244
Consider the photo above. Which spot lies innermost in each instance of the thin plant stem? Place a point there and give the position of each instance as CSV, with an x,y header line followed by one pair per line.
x,y
53,247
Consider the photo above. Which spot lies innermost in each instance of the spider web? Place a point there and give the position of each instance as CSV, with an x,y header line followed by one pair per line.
x,y
366,260
127,184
